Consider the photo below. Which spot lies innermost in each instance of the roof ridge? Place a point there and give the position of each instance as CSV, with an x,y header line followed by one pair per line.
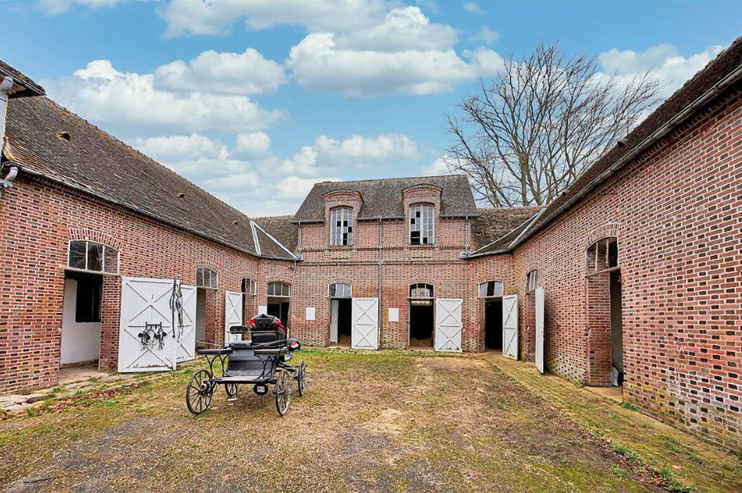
x,y
393,178
127,147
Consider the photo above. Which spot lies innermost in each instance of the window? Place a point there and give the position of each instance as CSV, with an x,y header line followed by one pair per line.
x,y
421,225
602,255
92,256
205,278
532,280
491,289
340,290
249,286
341,226
87,305
279,289
421,295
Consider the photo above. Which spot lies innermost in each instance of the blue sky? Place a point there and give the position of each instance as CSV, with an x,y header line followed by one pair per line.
x,y
254,100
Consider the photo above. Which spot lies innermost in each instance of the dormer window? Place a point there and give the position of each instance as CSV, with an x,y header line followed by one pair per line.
x,y
341,226
422,229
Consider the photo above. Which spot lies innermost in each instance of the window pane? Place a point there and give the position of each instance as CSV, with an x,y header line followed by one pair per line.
x,y
111,260
95,256
498,288
200,278
483,290
332,290
213,279
77,255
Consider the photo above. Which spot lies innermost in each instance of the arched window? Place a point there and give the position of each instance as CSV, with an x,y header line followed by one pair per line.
x,y
279,289
341,226
532,280
491,289
421,295
422,224
249,286
92,256
205,278
602,255
339,290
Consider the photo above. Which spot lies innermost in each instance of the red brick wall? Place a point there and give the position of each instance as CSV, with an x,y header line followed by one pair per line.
x,y
677,213
39,218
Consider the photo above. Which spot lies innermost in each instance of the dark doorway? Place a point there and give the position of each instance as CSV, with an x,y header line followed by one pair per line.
x,y
341,321
616,329
493,324
421,323
279,307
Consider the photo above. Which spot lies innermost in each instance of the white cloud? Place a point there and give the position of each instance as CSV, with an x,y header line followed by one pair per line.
x,y
130,104
296,187
225,73
62,6
473,8
252,145
178,147
327,154
663,60
485,35
319,64
201,17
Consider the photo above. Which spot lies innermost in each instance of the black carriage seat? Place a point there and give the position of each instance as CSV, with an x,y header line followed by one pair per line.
x,y
243,362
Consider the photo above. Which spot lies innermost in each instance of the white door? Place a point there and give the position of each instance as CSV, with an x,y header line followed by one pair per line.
x,y
510,326
334,307
365,331
448,324
540,329
146,341
232,315
186,348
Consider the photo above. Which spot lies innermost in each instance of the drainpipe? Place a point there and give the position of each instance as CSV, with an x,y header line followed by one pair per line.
x,y
5,86
381,249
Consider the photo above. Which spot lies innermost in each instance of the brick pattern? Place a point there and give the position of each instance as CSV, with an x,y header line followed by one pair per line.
x,y
677,214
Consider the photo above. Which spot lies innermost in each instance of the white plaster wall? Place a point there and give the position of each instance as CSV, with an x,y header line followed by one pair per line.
x,y
80,341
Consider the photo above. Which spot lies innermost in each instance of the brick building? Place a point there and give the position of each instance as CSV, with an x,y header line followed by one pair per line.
x,y
631,277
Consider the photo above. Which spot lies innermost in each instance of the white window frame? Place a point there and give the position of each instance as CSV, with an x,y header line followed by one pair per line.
x,y
103,257
421,300
281,295
531,280
495,291
607,241
420,227
252,289
204,270
336,232
349,293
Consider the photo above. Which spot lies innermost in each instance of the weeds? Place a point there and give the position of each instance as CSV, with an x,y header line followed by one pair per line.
x,y
628,405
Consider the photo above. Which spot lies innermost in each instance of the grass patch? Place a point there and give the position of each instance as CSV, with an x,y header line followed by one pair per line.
x,y
628,405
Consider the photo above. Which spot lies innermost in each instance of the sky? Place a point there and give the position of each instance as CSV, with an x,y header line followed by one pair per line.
x,y
256,100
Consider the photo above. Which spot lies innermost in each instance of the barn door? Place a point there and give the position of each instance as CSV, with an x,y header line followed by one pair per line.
x,y
540,329
334,312
146,341
232,315
365,331
510,326
186,347
448,324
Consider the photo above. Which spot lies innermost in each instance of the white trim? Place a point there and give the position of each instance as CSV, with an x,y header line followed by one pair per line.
x,y
255,240
102,260
422,205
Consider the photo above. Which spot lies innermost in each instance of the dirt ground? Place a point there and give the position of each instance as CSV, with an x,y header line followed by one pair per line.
x,y
386,421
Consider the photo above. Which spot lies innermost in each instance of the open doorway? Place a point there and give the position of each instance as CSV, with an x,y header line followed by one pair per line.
x,y
341,310
279,295
491,293
616,329
81,319
422,315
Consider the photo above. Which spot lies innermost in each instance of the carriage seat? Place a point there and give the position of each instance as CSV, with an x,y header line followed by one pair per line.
x,y
241,344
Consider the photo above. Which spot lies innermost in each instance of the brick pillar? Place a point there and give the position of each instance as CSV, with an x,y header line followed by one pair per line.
x,y
110,323
599,330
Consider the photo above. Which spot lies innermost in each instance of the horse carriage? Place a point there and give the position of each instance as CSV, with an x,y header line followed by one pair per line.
x,y
260,361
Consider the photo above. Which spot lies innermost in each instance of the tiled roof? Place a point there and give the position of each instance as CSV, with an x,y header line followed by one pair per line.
x,y
282,229
383,198
30,87
726,63
493,224
46,139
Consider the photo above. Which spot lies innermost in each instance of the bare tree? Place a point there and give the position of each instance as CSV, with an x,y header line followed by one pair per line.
x,y
529,133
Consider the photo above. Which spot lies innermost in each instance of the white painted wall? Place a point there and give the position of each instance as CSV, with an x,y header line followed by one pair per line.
x,y
80,341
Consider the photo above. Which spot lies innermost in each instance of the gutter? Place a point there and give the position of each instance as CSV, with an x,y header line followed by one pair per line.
x,y
642,146
379,269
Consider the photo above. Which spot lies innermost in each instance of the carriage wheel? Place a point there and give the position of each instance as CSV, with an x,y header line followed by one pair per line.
x,y
231,390
282,389
301,378
199,392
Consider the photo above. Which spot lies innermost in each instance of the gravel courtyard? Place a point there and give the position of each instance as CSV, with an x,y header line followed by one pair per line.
x,y
386,421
